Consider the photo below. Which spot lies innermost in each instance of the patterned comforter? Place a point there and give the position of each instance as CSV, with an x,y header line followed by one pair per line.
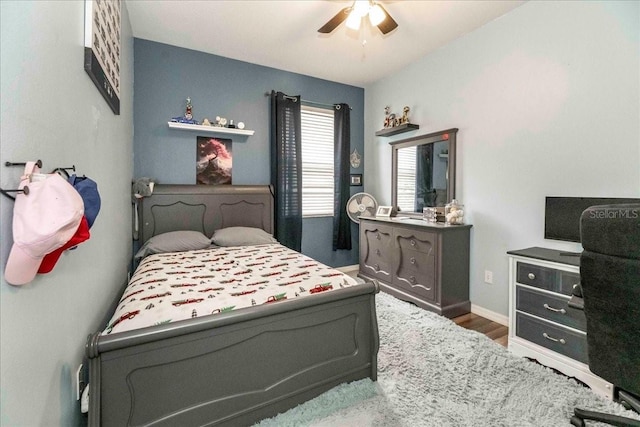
x,y
180,285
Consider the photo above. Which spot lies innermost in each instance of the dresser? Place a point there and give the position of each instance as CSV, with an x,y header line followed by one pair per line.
x,y
542,326
419,262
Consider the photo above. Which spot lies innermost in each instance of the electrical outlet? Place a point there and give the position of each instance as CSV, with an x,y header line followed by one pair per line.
x,y
488,276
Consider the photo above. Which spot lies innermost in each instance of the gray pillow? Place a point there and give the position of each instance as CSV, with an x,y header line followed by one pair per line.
x,y
241,236
174,241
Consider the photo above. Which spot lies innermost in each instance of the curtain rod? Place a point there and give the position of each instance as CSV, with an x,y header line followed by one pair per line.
x,y
306,101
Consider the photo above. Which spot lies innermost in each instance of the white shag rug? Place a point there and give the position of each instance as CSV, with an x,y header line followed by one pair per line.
x,y
432,372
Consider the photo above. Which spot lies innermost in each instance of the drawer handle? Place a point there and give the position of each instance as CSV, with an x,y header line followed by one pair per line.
x,y
378,236
531,276
378,252
550,338
376,267
412,279
557,310
413,260
413,242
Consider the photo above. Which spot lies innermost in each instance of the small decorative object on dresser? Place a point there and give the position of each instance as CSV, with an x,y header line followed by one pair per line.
x,y
384,211
454,213
542,324
424,263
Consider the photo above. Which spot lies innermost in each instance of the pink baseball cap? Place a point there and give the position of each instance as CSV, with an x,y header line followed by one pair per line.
x,y
43,221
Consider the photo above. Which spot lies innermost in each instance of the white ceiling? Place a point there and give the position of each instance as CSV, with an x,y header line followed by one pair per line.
x,y
283,34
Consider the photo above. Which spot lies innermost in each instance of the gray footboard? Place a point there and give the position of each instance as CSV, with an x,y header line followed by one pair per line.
x,y
233,368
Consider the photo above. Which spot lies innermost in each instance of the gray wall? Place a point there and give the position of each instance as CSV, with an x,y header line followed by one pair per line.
x,y
217,86
547,102
51,110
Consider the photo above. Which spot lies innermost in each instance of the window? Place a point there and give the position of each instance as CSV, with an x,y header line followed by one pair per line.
x,y
317,161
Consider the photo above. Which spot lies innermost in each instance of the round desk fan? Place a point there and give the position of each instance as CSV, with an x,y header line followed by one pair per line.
x,y
361,204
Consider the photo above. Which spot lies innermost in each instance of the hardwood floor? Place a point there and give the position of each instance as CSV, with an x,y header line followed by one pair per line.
x,y
497,332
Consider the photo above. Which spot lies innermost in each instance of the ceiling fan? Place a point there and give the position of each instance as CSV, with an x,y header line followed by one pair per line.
x,y
353,14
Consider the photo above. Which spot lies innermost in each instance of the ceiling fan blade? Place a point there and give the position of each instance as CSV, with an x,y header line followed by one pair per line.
x,y
335,21
388,24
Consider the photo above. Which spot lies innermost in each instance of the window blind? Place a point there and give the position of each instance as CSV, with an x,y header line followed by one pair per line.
x,y
317,161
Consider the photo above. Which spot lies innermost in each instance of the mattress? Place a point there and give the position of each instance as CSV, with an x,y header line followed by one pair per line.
x,y
174,286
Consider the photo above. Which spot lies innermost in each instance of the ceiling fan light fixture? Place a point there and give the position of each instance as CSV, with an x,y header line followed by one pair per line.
x,y
360,7
376,15
353,21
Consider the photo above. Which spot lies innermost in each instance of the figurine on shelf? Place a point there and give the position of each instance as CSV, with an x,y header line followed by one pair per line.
x,y
188,113
206,122
405,115
390,119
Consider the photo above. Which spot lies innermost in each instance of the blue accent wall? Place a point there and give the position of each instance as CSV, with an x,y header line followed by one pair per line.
x,y
166,75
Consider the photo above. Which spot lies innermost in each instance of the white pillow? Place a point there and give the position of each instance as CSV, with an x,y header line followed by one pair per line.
x,y
241,236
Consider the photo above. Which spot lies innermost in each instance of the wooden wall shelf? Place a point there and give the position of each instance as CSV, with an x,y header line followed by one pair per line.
x,y
397,129
210,129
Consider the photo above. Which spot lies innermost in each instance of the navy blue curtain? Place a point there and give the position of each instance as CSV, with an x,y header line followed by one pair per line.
x,y
286,169
342,143
425,193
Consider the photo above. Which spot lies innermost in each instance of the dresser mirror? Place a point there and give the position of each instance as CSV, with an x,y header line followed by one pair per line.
x,y
423,171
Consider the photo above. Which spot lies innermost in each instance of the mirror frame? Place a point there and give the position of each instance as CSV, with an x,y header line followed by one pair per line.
x,y
431,138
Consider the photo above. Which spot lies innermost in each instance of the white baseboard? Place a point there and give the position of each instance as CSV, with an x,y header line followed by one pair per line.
x,y
475,309
491,315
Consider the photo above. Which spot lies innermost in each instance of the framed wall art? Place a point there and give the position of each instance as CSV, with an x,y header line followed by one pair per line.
x,y
102,48
214,161
356,179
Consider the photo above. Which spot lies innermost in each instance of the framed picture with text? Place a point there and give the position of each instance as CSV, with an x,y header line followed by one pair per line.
x,y
102,48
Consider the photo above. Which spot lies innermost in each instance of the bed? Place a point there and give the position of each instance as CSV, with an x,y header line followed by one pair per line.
x,y
231,367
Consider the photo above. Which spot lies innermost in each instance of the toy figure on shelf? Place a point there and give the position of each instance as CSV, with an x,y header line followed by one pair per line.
x,y
405,115
389,118
188,114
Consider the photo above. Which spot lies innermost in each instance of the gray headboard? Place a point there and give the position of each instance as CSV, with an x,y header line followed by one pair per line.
x,y
205,208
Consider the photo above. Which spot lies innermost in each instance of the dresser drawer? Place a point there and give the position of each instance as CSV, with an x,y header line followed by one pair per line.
x,y
415,240
376,253
554,308
416,273
554,337
546,278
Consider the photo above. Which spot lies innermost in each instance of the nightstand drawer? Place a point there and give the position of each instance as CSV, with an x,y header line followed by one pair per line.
x,y
554,308
554,337
568,281
546,278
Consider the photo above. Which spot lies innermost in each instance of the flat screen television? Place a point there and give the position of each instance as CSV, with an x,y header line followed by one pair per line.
x,y
562,215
